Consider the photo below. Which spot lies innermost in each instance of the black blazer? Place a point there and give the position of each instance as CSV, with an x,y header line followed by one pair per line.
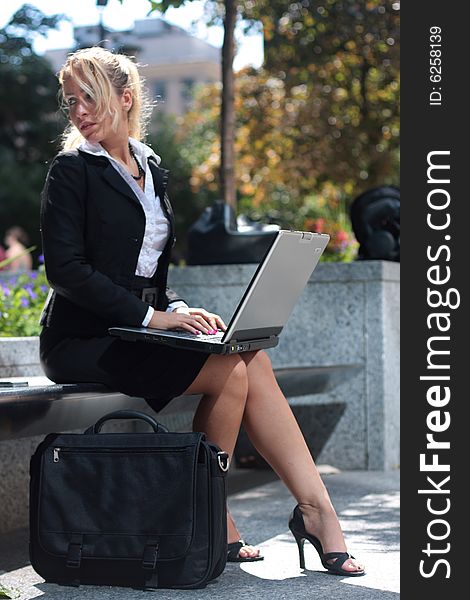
x,y
92,228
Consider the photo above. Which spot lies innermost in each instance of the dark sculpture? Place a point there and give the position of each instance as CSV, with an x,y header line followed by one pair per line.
x,y
375,219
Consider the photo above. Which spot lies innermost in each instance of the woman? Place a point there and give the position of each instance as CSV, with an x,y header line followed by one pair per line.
x,y
107,229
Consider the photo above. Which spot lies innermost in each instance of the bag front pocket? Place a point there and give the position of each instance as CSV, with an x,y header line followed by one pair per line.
x,y
117,498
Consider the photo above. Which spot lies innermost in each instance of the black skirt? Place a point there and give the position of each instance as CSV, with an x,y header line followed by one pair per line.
x,y
150,371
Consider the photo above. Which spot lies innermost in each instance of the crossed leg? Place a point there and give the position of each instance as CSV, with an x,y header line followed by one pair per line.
x,y
243,388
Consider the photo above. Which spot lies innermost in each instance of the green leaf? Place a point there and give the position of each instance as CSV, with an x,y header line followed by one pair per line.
x,y
4,593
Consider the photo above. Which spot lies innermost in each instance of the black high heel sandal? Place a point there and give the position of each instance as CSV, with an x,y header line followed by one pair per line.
x,y
297,527
233,553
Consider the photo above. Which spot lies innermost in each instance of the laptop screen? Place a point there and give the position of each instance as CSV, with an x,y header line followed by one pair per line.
x,y
276,285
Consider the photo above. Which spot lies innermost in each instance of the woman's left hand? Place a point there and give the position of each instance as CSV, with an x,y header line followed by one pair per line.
x,y
215,321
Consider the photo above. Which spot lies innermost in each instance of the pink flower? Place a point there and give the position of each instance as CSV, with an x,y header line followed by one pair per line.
x,y
342,236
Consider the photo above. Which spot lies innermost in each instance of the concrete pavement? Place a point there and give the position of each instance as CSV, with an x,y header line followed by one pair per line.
x,y
367,503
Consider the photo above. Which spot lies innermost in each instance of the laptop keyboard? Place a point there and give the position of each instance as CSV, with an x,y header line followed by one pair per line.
x,y
202,337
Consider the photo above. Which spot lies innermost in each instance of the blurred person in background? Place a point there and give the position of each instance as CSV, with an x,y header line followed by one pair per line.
x,y
17,240
2,257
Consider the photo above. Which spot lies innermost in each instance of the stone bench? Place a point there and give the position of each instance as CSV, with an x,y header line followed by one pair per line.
x,y
29,412
33,406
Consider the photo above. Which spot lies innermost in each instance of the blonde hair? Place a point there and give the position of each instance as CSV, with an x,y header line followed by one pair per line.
x,y
100,73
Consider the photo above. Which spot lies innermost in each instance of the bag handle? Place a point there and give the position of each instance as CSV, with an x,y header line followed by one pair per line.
x,y
126,414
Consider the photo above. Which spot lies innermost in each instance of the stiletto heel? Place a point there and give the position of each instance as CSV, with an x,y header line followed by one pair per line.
x,y
297,527
300,545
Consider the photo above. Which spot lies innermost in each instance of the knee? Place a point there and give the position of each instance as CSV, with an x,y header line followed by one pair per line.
x,y
230,374
259,359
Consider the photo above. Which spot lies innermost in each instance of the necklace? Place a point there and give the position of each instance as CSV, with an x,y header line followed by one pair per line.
x,y
139,166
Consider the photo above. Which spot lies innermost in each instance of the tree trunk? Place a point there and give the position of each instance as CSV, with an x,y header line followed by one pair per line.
x,y
227,124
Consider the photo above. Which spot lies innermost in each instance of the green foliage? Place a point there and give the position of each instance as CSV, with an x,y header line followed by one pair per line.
x,y
22,297
310,33
6,593
29,122
316,127
164,5
214,9
20,197
29,89
343,55
189,147
181,151
274,183
319,124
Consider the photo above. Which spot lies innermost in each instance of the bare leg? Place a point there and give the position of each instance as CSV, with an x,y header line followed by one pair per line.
x,y
274,432
223,381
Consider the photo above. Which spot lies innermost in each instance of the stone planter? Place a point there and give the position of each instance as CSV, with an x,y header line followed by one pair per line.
x,y
19,357
347,315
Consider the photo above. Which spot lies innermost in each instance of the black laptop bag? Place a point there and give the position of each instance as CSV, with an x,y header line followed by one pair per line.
x,y
145,510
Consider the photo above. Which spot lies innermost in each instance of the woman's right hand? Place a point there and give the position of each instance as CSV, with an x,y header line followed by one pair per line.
x,y
180,320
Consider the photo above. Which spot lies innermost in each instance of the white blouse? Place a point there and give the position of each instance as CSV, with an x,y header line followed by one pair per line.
x,y
157,227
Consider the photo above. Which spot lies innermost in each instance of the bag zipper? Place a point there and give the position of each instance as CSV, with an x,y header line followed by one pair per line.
x,y
60,450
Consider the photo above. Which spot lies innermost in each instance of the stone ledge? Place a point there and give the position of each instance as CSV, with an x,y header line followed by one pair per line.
x,y
373,270
348,314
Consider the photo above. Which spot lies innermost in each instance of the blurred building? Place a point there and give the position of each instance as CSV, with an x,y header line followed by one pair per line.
x,y
173,61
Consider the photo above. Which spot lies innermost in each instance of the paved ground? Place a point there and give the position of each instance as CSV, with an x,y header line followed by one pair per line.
x,y
368,507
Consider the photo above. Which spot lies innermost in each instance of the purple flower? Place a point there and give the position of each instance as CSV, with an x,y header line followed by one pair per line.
x,y
6,290
33,275
41,259
24,302
43,288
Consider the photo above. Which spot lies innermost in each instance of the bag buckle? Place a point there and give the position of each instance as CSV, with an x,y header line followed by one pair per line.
x,y
74,552
224,461
149,295
149,563
149,560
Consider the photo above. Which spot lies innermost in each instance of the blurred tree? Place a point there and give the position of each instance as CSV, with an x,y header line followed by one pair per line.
x,y
275,183
320,123
29,123
337,64
343,54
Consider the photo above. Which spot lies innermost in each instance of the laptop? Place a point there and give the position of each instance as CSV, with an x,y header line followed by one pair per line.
x,y
264,307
